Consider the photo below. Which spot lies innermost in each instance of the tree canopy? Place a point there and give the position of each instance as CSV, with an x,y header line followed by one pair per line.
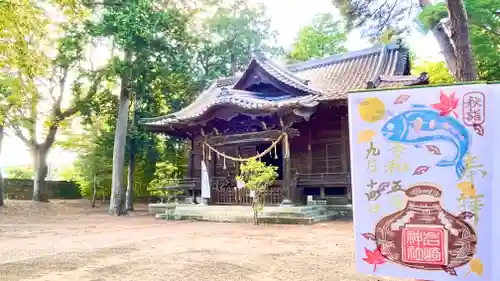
x,y
227,38
399,18
325,36
19,172
484,25
173,52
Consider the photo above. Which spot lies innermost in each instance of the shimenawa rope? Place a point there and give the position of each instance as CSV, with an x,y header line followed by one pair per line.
x,y
260,155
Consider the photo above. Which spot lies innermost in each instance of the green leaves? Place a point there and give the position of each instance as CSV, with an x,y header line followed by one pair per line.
x,y
484,25
71,46
21,173
325,36
257,176
431,15
227,39
438,72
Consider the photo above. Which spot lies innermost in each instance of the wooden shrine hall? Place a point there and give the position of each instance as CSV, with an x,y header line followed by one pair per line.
x,y
290,116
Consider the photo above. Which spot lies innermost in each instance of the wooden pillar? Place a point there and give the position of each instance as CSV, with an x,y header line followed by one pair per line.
x,y
191,160
346,152
287,174
309,150
191,169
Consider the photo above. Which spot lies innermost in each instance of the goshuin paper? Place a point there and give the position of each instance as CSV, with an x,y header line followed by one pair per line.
x,y
423,172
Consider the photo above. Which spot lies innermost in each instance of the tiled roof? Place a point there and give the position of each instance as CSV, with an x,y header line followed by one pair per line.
x,y
221,96
399,81
324,79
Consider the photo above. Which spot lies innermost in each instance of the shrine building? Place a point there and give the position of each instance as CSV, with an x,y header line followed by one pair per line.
x,y
290,116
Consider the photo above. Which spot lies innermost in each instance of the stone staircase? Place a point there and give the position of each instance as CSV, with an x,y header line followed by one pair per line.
x,y
309,214
299,215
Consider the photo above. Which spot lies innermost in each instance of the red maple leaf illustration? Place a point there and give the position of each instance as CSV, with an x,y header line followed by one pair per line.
x,y
447,104
374,257
421,170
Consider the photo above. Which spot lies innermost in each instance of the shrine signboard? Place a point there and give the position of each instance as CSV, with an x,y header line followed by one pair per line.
x,y
425,173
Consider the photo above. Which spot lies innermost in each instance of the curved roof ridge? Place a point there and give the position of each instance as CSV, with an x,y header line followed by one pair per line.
x,y
284,74
314,63
224,96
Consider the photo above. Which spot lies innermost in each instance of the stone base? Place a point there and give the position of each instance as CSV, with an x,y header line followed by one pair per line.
x,y
244,214
157,208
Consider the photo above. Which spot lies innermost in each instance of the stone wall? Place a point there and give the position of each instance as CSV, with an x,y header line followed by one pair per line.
x,y
23,189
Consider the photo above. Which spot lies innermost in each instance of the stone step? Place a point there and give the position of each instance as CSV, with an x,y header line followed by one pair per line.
x,y
244,214
262,219
343,210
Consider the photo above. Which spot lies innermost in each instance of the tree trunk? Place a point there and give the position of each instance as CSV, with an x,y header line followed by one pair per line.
x,y
466,66
39,183
116,204
444,42
94,186
233,64
1,177
447,48
129,200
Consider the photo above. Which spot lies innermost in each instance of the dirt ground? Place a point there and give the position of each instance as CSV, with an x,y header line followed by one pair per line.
x,y
67,240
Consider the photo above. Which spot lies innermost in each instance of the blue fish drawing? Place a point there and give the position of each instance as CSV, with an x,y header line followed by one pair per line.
x,y
421,125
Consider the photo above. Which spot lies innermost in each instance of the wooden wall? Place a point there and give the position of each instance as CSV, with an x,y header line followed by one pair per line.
x,y
323,144
322,148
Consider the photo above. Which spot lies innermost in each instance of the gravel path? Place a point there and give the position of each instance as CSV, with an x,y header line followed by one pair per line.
x,y
69,241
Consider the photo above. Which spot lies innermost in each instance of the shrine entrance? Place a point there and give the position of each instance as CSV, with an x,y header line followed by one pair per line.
x,y
226,161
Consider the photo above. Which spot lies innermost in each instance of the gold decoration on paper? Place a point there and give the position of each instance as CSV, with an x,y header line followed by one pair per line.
x,y
371,110
476,266
366,136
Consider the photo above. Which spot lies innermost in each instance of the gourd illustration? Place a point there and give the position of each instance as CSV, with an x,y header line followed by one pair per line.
x,y
425,236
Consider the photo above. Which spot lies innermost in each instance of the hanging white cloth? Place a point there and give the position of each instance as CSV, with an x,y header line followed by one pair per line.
x,y
205,181
240,184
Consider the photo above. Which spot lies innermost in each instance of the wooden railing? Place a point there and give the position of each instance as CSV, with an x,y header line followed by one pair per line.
x,y
323,180
225,192
185,183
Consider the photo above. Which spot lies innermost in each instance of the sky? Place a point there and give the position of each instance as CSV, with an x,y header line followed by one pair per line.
x,y
287,17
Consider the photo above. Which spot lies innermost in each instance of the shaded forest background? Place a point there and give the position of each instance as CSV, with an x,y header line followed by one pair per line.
x,y
162,53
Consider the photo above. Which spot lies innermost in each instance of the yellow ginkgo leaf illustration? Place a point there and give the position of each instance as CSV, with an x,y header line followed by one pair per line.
x,y
467,188
476,266
366,136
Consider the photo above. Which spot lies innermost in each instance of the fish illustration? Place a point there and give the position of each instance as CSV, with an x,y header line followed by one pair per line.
x,y
421,125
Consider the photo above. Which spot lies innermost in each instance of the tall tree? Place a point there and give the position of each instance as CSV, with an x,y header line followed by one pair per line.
x,y
459,28
38,81
18,19
323,37
484,26
377,16
147,36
